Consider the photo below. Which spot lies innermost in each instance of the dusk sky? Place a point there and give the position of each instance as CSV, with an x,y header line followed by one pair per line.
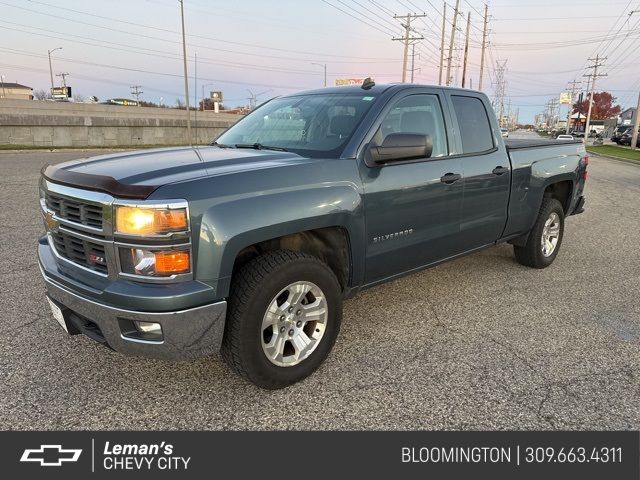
x,y
268,47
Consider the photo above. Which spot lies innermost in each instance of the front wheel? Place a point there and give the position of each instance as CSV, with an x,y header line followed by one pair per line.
x,y
284,316
545,238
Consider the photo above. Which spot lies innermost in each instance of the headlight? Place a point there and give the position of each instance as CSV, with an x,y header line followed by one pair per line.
x,y
150,221
155,263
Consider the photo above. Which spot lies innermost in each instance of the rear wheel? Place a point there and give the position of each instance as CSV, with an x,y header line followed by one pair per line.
x,y
284,316
545,238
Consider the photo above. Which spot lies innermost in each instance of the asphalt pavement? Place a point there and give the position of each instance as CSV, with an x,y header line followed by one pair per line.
x,y
478,343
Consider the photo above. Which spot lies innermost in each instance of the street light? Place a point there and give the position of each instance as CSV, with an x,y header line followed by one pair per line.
x,y
323,65
50,69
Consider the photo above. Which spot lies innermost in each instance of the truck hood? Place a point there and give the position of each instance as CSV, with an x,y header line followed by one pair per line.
x,y
137,174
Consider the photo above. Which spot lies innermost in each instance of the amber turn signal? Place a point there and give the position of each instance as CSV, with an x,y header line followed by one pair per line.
x,y
168,263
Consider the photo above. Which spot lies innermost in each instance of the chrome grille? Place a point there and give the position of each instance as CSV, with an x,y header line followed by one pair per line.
x,y
83,252
74,210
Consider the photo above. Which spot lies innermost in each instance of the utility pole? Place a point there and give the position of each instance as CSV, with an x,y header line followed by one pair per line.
x,y
452,41
195,94
573,89
136,92
413,60
636,125
49,52
186,77
407,38
444,21
553,108
593,77
484,45
466,51
64,76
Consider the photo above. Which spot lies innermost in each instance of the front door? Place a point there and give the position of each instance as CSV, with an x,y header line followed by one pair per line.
x,y
412,208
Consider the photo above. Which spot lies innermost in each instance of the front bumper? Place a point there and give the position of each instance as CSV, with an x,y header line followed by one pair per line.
x,y
187,332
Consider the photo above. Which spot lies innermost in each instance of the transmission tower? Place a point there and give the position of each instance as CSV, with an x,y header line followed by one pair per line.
x,y
500,88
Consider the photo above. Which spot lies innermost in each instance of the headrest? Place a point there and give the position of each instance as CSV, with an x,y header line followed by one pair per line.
x,y
342,125
416,122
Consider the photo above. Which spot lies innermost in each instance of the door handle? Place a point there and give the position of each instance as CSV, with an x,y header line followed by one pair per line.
x,y
450,178
500,170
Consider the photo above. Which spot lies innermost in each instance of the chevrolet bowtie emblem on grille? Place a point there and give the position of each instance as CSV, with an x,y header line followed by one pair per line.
x,y
50,455
52,223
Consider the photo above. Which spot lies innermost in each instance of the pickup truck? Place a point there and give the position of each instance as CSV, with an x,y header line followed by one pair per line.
x,y
249,246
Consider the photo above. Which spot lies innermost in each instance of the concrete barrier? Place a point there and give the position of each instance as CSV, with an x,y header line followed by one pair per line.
x,y
66,124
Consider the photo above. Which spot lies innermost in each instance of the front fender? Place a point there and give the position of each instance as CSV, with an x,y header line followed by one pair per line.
x,y
229,226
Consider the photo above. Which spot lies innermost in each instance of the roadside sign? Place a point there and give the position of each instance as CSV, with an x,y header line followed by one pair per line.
x,y
348,81
216,96
122,101
61,92
566,98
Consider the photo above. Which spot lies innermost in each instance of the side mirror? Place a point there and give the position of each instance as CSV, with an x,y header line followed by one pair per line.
x,y
401,146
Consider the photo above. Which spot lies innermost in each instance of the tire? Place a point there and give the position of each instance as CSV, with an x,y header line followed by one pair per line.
x,y
264,291
534,254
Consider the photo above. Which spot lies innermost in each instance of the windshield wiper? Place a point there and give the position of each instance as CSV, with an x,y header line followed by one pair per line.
x,y
259,146
220,145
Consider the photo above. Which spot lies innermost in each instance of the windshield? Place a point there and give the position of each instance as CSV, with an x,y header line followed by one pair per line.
x,y
309,125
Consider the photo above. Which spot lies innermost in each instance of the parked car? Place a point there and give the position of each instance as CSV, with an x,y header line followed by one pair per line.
x,y
250,245
504,132
626,137
617,133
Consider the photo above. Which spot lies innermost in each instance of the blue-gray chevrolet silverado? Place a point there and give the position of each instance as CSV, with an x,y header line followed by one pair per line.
x,y
248,246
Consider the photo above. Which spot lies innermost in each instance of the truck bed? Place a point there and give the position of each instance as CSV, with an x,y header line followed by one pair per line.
x,y
521,143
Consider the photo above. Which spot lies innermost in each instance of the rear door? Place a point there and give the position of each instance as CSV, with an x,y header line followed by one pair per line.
x,y
412,208
486,170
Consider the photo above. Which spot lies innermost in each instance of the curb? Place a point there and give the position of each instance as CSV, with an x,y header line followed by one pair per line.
x,y
620,159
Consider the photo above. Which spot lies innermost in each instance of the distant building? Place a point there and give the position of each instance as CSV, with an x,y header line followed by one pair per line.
x,y
15,91
626,117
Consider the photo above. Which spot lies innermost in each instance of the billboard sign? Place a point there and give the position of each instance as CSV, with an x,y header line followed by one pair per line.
x,y
340,82
566,98
61,92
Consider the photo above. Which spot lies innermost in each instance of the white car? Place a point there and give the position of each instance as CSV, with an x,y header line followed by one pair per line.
x,y
564,137
504,132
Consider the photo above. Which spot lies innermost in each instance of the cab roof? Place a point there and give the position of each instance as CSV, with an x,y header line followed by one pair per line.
x,y
377,89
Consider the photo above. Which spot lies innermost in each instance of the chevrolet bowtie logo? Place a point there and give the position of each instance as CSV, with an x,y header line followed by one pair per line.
x,y
50,455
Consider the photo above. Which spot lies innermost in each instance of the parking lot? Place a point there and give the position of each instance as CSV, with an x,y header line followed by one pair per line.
x,y
479,343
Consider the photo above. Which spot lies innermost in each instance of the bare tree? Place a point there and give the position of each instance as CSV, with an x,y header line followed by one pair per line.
x,y
42,94
79,97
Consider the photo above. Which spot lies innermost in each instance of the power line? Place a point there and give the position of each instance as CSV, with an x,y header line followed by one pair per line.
x,y
353,16
163,39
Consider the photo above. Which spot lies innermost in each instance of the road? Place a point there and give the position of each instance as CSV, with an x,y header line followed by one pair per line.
x,y
479,343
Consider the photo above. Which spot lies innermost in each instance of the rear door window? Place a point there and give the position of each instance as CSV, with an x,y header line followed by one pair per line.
x,y
473,120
